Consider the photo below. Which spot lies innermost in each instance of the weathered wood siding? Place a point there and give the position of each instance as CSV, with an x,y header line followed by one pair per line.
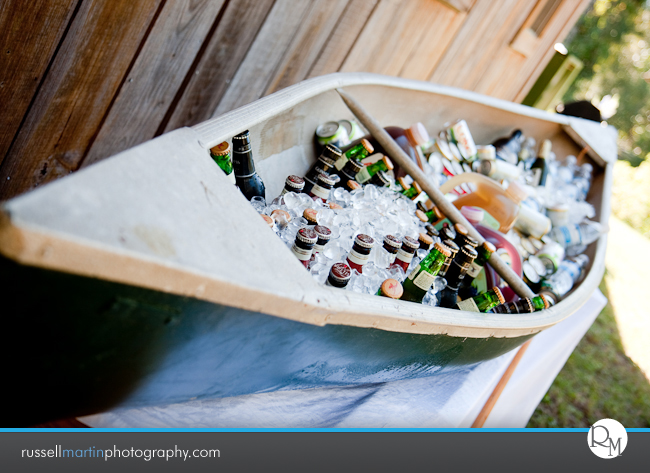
x,y
81,80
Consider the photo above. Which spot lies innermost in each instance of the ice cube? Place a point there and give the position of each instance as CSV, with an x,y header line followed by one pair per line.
x,y
259,203
291,200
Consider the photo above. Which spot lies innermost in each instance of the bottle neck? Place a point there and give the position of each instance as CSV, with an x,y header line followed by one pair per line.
x,y
243,163
486,300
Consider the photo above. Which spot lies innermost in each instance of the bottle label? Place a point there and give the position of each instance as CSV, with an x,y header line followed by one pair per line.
x,y
469,305
404,256
301,253
320,192
341,162
424,280
318,248
571,235
358,258
532,223
474,269
363,176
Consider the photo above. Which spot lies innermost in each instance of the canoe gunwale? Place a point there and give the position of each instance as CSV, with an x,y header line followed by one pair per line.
x,y
31,244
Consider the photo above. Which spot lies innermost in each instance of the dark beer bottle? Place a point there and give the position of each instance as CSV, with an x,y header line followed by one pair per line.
x,y
248,181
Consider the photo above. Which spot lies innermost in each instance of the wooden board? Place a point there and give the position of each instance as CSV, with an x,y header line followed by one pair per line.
x,y
315,29
254,74
345,34
218,63
94,57
30,32
158,71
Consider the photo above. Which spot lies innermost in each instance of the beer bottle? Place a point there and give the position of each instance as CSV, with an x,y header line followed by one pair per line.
x,y
293,183
221,156
360,252
484,253
539,167
522,306
384,164
356,153
348,173
454,249
248,181
455,275
483,302
339,276
418,283
303,247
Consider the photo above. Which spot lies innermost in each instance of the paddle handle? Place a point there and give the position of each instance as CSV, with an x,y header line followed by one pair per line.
x,y
396,153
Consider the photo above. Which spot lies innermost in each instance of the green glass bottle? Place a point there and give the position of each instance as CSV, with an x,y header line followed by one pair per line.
x,y
409,190
221,156
433,214
357,152
482,302
384,164
484,252
418,283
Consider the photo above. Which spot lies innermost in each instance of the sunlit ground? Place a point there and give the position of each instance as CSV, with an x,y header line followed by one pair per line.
x,y
608,374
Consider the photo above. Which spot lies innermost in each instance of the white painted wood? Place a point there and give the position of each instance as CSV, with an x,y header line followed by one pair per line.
x,y
163,216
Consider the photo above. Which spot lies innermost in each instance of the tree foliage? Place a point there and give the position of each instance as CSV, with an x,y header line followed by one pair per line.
x,y
613,40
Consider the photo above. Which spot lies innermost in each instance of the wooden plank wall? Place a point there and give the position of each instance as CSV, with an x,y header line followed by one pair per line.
x,y
81,80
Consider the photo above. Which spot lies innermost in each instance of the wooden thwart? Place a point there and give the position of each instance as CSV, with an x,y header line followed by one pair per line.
x,y
395,152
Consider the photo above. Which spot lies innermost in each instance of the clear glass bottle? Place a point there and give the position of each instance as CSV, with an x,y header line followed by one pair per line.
x,y
420,280
570,271
304,245
581,234
483,302
405,253
360,252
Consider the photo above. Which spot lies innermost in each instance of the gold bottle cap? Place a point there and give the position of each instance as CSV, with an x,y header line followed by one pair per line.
x,y
460,229
402,182
281,214
489,246
426,239
366,144
546,304
422,216
442,249
310,215
269,221
353,185
392,288
439,214
335,206
497,291
417,187
221,149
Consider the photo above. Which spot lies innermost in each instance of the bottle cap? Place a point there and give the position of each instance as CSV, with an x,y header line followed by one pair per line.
x,y
421,215
426,239
393,241
545,300
468,253
460,229
471,213
516,192
442,249
269,221
355,166
497,291
279,214
295,182
340,272
335,206
549,297
417,134
364,241
417,187
323,232
402,182
242,138
392,288
453,247
327,180
410,242
489,247
331,152
310,215
438,213
447,233
431,230
366,144
221,149
388,163
353,185
471,241
307,235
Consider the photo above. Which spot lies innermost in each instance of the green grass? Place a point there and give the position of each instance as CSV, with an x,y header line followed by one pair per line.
x,y
598,381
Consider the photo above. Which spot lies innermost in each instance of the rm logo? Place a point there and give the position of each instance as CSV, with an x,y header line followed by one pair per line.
x,y
607,438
